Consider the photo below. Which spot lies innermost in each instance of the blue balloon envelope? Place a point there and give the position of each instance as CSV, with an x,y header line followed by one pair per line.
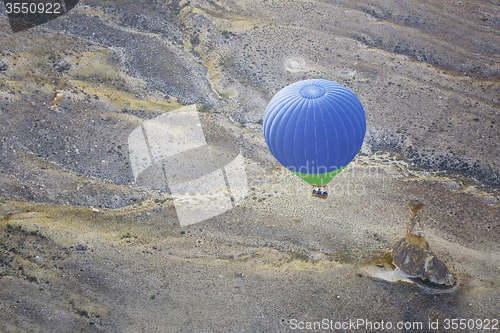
x,y
314,128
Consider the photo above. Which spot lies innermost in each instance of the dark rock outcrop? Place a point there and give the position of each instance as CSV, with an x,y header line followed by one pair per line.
x,y
414,256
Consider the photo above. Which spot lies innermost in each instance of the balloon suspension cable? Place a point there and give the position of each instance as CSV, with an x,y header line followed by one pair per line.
x,y
319,192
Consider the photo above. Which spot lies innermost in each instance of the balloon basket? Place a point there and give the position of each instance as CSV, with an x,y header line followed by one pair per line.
x,y
319,193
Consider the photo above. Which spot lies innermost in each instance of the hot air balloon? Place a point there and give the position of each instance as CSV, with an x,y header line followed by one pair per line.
x,y
315,128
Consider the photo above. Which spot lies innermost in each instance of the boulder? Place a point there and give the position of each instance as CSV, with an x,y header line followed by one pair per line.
x,y
414,256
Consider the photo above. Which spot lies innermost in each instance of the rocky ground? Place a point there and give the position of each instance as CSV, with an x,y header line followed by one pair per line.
x,y
82,248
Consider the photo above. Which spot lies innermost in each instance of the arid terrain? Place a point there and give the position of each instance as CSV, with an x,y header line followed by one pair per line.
x,y
85,247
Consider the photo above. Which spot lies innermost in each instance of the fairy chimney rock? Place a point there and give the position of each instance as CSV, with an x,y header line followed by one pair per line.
x,y
414,256
414,230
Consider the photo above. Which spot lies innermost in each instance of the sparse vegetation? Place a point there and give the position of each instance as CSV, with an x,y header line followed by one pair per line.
x,y
300,256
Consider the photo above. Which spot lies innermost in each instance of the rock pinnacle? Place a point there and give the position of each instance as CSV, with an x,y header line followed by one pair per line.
x,y
414,256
